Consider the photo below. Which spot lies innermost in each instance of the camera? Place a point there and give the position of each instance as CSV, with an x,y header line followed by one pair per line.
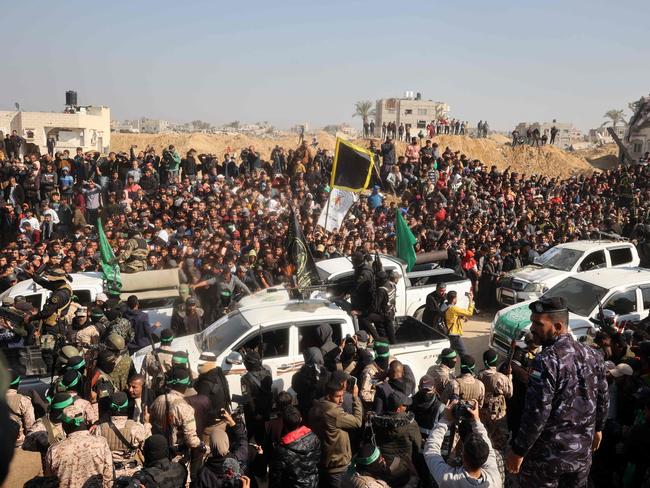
x,y
462,410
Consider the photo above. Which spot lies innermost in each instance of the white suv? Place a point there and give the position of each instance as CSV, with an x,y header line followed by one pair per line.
x,y
560,262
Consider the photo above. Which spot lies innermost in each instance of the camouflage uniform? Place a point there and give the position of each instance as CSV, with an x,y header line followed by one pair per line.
x,y
466,388
156,378
368,383
44,433
566,402
133,257
90,412
181,414
498,388
21,411
85,337
79,457
441,374
121,372
123,328
127,459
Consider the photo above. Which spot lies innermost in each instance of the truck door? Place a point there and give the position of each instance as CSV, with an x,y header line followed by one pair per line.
x,y
625,305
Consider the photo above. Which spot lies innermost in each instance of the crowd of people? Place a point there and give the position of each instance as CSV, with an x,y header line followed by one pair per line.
x,y
223,222
534,137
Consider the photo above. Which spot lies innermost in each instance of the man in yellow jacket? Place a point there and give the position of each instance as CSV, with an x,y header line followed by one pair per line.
x,y
454,317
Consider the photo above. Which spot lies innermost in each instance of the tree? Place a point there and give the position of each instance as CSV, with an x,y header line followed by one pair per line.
x,y
614,116
364,110
234,124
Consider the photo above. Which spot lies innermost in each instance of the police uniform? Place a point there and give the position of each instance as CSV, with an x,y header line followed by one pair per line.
x,y
498,388
79,457
566,403
21,411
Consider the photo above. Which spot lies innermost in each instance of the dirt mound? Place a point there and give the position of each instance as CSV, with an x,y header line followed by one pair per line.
x,y
603,157
546,160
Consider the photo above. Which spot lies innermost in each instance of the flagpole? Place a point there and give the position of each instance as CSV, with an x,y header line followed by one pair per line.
x,y
327,209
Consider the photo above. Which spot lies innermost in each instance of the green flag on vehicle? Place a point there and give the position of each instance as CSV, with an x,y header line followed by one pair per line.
x,y
405,242
110,268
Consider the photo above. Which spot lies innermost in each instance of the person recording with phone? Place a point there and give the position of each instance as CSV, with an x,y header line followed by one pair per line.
x,y
479,465
455,316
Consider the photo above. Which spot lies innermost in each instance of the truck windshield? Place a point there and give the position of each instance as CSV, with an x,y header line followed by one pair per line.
x,y
559,258
582,297
222,334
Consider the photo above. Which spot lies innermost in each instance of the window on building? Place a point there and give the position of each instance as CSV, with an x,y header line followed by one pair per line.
x,y
408,111
422,124
422,111
637,147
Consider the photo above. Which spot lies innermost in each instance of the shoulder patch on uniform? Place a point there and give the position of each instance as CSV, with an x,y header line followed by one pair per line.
x,y
54,298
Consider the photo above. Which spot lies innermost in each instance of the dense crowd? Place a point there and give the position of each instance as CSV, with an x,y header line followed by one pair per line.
x,y
223,221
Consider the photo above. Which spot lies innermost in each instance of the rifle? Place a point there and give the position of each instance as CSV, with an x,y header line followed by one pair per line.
x,y
168,424
511,354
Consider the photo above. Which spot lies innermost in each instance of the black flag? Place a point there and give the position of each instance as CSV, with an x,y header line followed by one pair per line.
x,y
301,262
352,166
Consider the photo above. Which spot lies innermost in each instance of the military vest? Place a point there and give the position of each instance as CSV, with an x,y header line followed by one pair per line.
x,y
114,442
494,405
120,374
52,436
62,307
469,388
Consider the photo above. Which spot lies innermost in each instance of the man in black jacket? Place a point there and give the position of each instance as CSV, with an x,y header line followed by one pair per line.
x,y
434,309
295,460
212,383
158,470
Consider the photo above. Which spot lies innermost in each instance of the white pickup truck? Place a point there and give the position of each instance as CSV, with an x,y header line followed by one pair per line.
x,y
624,291
285,328
412,288
560,262
156,290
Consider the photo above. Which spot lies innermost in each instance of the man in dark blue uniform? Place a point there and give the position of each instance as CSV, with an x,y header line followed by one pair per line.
x,y
566,405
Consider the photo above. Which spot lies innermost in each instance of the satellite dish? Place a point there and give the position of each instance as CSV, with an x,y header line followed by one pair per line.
x,y
17,105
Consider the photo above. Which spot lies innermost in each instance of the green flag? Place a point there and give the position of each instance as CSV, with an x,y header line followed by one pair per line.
x,y
110,268
405,241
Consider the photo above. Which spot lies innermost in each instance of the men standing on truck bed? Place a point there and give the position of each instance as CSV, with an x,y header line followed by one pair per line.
x,y
133,258
363,292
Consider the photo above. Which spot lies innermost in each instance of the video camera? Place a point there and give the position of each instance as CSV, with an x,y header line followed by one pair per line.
x,y
462,410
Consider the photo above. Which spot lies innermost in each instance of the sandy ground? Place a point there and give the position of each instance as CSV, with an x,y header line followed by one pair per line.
x,y
26,465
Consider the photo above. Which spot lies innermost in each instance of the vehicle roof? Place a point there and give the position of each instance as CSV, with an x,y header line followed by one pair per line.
x,y
338,265
292,311
589,245
614,277
79,280
430,272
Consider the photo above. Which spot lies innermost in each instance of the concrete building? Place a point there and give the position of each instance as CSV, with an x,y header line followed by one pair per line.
x,y
568,132
411,110
637,136
85,127
602,136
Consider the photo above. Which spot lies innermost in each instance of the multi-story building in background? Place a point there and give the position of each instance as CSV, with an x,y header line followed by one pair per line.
x,y
410,110
87,127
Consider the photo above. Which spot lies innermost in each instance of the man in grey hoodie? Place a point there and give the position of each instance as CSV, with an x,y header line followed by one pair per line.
x,y
479,467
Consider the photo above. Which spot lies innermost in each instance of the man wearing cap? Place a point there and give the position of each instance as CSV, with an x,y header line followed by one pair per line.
x,y
125,437
48,430
172,416
20,407
435,306
157,363
466,387
443,372
81,457
498,389
426,407
566,404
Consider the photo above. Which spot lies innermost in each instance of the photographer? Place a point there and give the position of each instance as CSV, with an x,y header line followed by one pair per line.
x,y
479,461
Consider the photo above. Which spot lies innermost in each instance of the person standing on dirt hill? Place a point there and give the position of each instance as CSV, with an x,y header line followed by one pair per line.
x,y
554,131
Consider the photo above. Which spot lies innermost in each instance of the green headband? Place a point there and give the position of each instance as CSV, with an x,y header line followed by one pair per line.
x,y
78,366
184,381
451,355
467,367
379,344
383,355
72,383
491,362
167,340
180,360
63,404
117,407
370,459
16,382
73,420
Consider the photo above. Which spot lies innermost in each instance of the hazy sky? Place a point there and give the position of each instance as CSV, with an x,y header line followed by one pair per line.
x,y
293,61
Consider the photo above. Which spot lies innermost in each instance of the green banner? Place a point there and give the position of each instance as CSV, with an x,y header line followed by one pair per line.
x,y
110,268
